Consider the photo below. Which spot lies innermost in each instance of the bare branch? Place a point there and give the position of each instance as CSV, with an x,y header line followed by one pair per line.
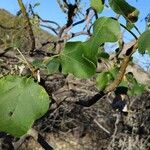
x,y
49,21
68,37
49,27
43,20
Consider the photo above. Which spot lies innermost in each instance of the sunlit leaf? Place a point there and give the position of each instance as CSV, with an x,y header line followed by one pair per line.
x,y
105,30
98,5
73,61
22,101
80,58
144,42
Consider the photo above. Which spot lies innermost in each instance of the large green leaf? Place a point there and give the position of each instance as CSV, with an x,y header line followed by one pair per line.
x,y
105,30
22,101
73,61
98,5
126,10
80,58
144,42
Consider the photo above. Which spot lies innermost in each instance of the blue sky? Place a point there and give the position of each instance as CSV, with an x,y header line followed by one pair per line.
x,y
49,9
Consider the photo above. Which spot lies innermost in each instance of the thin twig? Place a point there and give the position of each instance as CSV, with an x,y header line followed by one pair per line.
x,y
32,69
118,117
104,129
129,31
49,27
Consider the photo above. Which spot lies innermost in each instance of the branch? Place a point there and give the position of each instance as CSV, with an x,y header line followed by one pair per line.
x,y
28,25
43,20
49,27
49,21
91,101
87,18
129,31
122,70
62,6
79,22
62,40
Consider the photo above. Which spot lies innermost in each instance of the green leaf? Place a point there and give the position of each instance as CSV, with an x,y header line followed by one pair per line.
x,y
53,66
136,89
22,101
124,83
97,5
130,78
103,79
39,64
144,42
114,71
126,10
80,58
105,29
73,61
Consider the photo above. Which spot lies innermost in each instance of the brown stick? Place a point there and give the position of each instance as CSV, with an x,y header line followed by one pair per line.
x,y
28,25
122,70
